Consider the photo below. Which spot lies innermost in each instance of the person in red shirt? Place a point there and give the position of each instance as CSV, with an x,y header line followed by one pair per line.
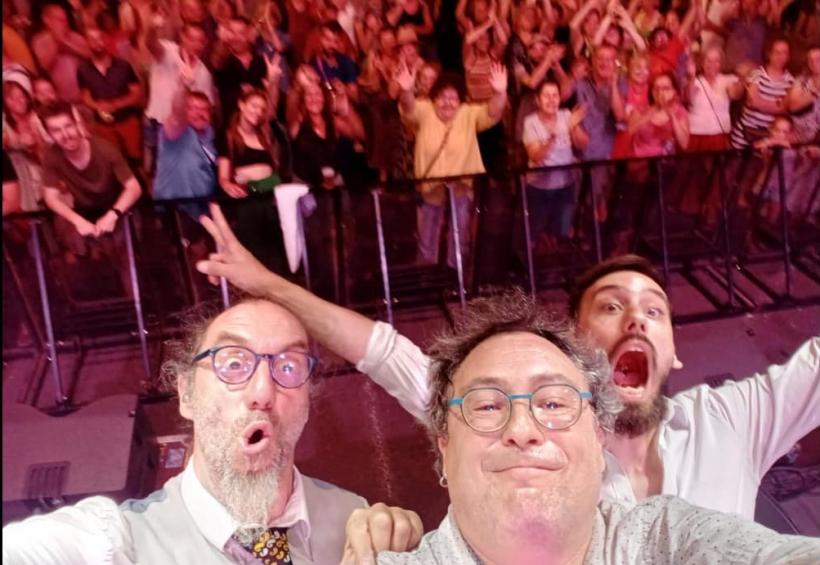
x,y
666,47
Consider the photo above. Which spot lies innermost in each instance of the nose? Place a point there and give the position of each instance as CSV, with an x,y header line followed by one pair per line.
x,y
522,430
261,390
635,320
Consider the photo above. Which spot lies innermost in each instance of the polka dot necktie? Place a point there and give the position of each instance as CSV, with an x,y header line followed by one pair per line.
x,y
271,547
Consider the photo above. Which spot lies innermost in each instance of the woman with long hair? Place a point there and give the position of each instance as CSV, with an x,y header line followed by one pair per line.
x,y
24,143
248,164
325,133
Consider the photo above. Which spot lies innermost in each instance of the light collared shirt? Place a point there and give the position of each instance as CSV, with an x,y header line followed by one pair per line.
x,y
217,525
661,530
715,443
164,81
181,523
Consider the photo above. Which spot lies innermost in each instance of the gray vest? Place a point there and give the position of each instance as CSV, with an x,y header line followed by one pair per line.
x,y
163,531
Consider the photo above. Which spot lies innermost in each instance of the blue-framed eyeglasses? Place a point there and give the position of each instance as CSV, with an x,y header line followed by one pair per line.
x,y
235,364
554,406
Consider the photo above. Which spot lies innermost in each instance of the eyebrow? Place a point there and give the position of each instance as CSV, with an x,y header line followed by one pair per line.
x,y
658,293
230,338
536,380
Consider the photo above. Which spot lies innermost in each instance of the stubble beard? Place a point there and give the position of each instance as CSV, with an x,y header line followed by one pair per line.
x,y
636,419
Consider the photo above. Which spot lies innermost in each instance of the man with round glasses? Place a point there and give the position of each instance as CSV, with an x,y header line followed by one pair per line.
x,y
708,446
243,381
518,412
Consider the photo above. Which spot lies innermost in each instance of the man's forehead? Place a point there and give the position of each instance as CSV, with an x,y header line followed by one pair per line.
x,y
625,281
257,323
515,359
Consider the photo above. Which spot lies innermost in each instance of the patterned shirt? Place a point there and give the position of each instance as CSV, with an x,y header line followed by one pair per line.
x,y
660,530
752,119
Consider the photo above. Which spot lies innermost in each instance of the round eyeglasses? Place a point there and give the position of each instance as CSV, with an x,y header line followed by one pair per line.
x,y
234,364
554,406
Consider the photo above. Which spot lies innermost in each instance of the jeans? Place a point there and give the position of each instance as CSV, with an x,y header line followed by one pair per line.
x,y
430,219
550,210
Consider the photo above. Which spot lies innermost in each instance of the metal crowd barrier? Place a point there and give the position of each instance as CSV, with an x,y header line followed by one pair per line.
x,y
360,246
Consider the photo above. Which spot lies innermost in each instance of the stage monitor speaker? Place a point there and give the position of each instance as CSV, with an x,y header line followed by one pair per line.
x,y
49,461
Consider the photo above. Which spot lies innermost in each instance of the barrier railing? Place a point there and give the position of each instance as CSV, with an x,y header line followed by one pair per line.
x,y
706,220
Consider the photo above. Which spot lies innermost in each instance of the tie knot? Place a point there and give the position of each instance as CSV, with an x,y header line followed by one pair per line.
x,y
271,547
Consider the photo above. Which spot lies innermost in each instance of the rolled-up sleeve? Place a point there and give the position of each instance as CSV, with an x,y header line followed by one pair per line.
x,y
398,366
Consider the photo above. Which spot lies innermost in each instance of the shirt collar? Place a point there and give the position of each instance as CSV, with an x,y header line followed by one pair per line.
x,y
217,525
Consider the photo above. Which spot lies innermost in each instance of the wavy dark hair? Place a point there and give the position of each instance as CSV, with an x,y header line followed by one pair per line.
x,y
263,131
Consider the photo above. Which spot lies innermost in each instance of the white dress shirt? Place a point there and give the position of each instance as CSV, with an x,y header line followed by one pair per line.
x,y
715,444
181,523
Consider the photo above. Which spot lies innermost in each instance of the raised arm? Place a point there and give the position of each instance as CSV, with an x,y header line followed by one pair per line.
x,y
152,41
772,410
406,79
343,331
464,23
498,82
628,25
577,133
390,359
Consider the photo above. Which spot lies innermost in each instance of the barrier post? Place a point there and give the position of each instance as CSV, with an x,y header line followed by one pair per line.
x,y
727,244
525,208
60,397
784,224
662,220
377,207
135,291
457,244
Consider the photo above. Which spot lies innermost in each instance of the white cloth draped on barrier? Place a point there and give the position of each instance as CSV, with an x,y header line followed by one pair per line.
x,y
287,202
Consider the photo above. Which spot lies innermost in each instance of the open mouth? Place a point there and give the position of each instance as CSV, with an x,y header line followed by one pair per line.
x,y
631,371
256,437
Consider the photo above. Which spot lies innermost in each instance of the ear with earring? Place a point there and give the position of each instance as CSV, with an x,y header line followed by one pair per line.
x,y
442,481
186,398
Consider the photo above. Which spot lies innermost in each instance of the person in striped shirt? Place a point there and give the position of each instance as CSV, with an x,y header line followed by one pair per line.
x,y
766,90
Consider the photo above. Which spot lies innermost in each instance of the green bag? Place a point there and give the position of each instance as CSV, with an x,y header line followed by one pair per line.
x,y
265,185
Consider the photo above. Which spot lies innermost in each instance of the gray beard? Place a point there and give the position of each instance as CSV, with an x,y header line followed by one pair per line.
x,y
635,419
247,496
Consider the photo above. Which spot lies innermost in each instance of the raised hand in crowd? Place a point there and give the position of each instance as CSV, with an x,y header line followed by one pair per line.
x,y
498,77
405,77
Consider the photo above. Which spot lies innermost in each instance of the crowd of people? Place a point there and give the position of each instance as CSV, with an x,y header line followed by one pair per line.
x,y
198,98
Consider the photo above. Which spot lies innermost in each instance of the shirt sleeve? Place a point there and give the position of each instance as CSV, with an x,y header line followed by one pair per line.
x,y
398,366
530,134
92,531
121,169
690,534
422,110
480,115
774,409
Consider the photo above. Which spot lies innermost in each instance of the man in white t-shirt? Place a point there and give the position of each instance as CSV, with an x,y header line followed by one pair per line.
x,y
174,66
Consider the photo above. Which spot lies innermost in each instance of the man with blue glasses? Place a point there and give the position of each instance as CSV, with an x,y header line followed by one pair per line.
x,y
244,382
518,412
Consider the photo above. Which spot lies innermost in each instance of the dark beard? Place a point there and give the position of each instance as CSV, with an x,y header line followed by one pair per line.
x,y
635,420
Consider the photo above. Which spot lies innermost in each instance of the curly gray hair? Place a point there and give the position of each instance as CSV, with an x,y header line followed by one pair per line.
x,y
515,311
